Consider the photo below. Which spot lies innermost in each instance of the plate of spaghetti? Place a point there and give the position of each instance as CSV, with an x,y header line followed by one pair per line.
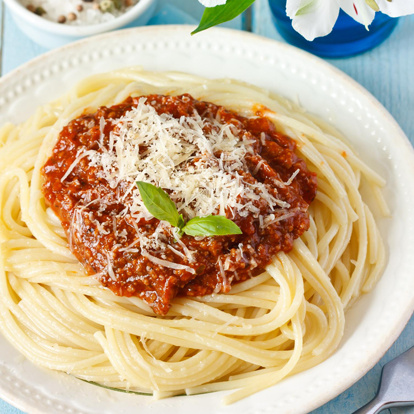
x,y
221,219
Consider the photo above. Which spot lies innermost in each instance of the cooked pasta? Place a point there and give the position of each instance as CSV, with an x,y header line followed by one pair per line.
x,y
283,321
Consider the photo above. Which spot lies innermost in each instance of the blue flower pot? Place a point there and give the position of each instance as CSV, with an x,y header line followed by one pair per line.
x,y
347,38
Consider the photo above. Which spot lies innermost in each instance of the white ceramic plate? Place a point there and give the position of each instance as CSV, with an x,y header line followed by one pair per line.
x,y
377,318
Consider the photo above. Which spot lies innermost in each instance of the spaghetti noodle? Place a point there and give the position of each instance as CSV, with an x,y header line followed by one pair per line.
x,y
280,322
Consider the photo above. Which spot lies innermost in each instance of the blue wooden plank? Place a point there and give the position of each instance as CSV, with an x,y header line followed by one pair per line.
x,y
18,48
194,9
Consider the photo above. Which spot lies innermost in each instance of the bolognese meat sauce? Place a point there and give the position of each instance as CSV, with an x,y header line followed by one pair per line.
x,y
134,254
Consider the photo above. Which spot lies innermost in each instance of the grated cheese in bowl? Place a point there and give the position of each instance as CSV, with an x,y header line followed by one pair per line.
x,y
79,12
54,23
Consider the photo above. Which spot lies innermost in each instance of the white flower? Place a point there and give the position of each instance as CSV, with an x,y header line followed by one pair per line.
x,y
315,18
212,3
396,8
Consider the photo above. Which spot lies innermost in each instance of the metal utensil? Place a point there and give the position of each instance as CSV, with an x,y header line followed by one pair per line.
x,y
396,386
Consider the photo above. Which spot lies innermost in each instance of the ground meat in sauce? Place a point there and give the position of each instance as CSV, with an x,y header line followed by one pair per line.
x,y
219,261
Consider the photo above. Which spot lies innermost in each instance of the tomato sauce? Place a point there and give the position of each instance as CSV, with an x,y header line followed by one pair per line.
x,y
101,232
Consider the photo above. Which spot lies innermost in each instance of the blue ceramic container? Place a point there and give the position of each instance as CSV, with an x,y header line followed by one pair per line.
x,y
347,38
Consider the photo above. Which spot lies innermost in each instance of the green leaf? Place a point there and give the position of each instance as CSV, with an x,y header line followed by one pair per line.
x,y
181,222
159,204
211,226
220,14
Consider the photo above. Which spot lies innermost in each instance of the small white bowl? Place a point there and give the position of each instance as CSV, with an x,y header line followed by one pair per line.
x,y
50,34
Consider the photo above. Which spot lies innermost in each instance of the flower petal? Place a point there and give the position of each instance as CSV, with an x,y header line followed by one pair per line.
x,y
397,7
292,6
358,10
315,18
212,3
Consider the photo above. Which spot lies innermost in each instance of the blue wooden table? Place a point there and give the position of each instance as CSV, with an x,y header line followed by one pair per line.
x,y
387,72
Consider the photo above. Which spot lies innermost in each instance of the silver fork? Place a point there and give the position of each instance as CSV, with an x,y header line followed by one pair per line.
x,y
396,387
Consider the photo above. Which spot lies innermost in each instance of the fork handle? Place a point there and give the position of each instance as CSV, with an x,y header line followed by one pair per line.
x,y
373,407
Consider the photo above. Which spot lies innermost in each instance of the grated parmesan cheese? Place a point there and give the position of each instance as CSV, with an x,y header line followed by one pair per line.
x,y
197,161
166,263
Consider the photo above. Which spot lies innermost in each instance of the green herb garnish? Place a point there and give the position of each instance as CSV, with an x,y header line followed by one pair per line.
x,y
160,205
220,14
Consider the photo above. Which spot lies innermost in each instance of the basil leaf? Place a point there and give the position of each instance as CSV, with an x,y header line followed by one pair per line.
x,y
211,226
181,222
159,204
220,14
